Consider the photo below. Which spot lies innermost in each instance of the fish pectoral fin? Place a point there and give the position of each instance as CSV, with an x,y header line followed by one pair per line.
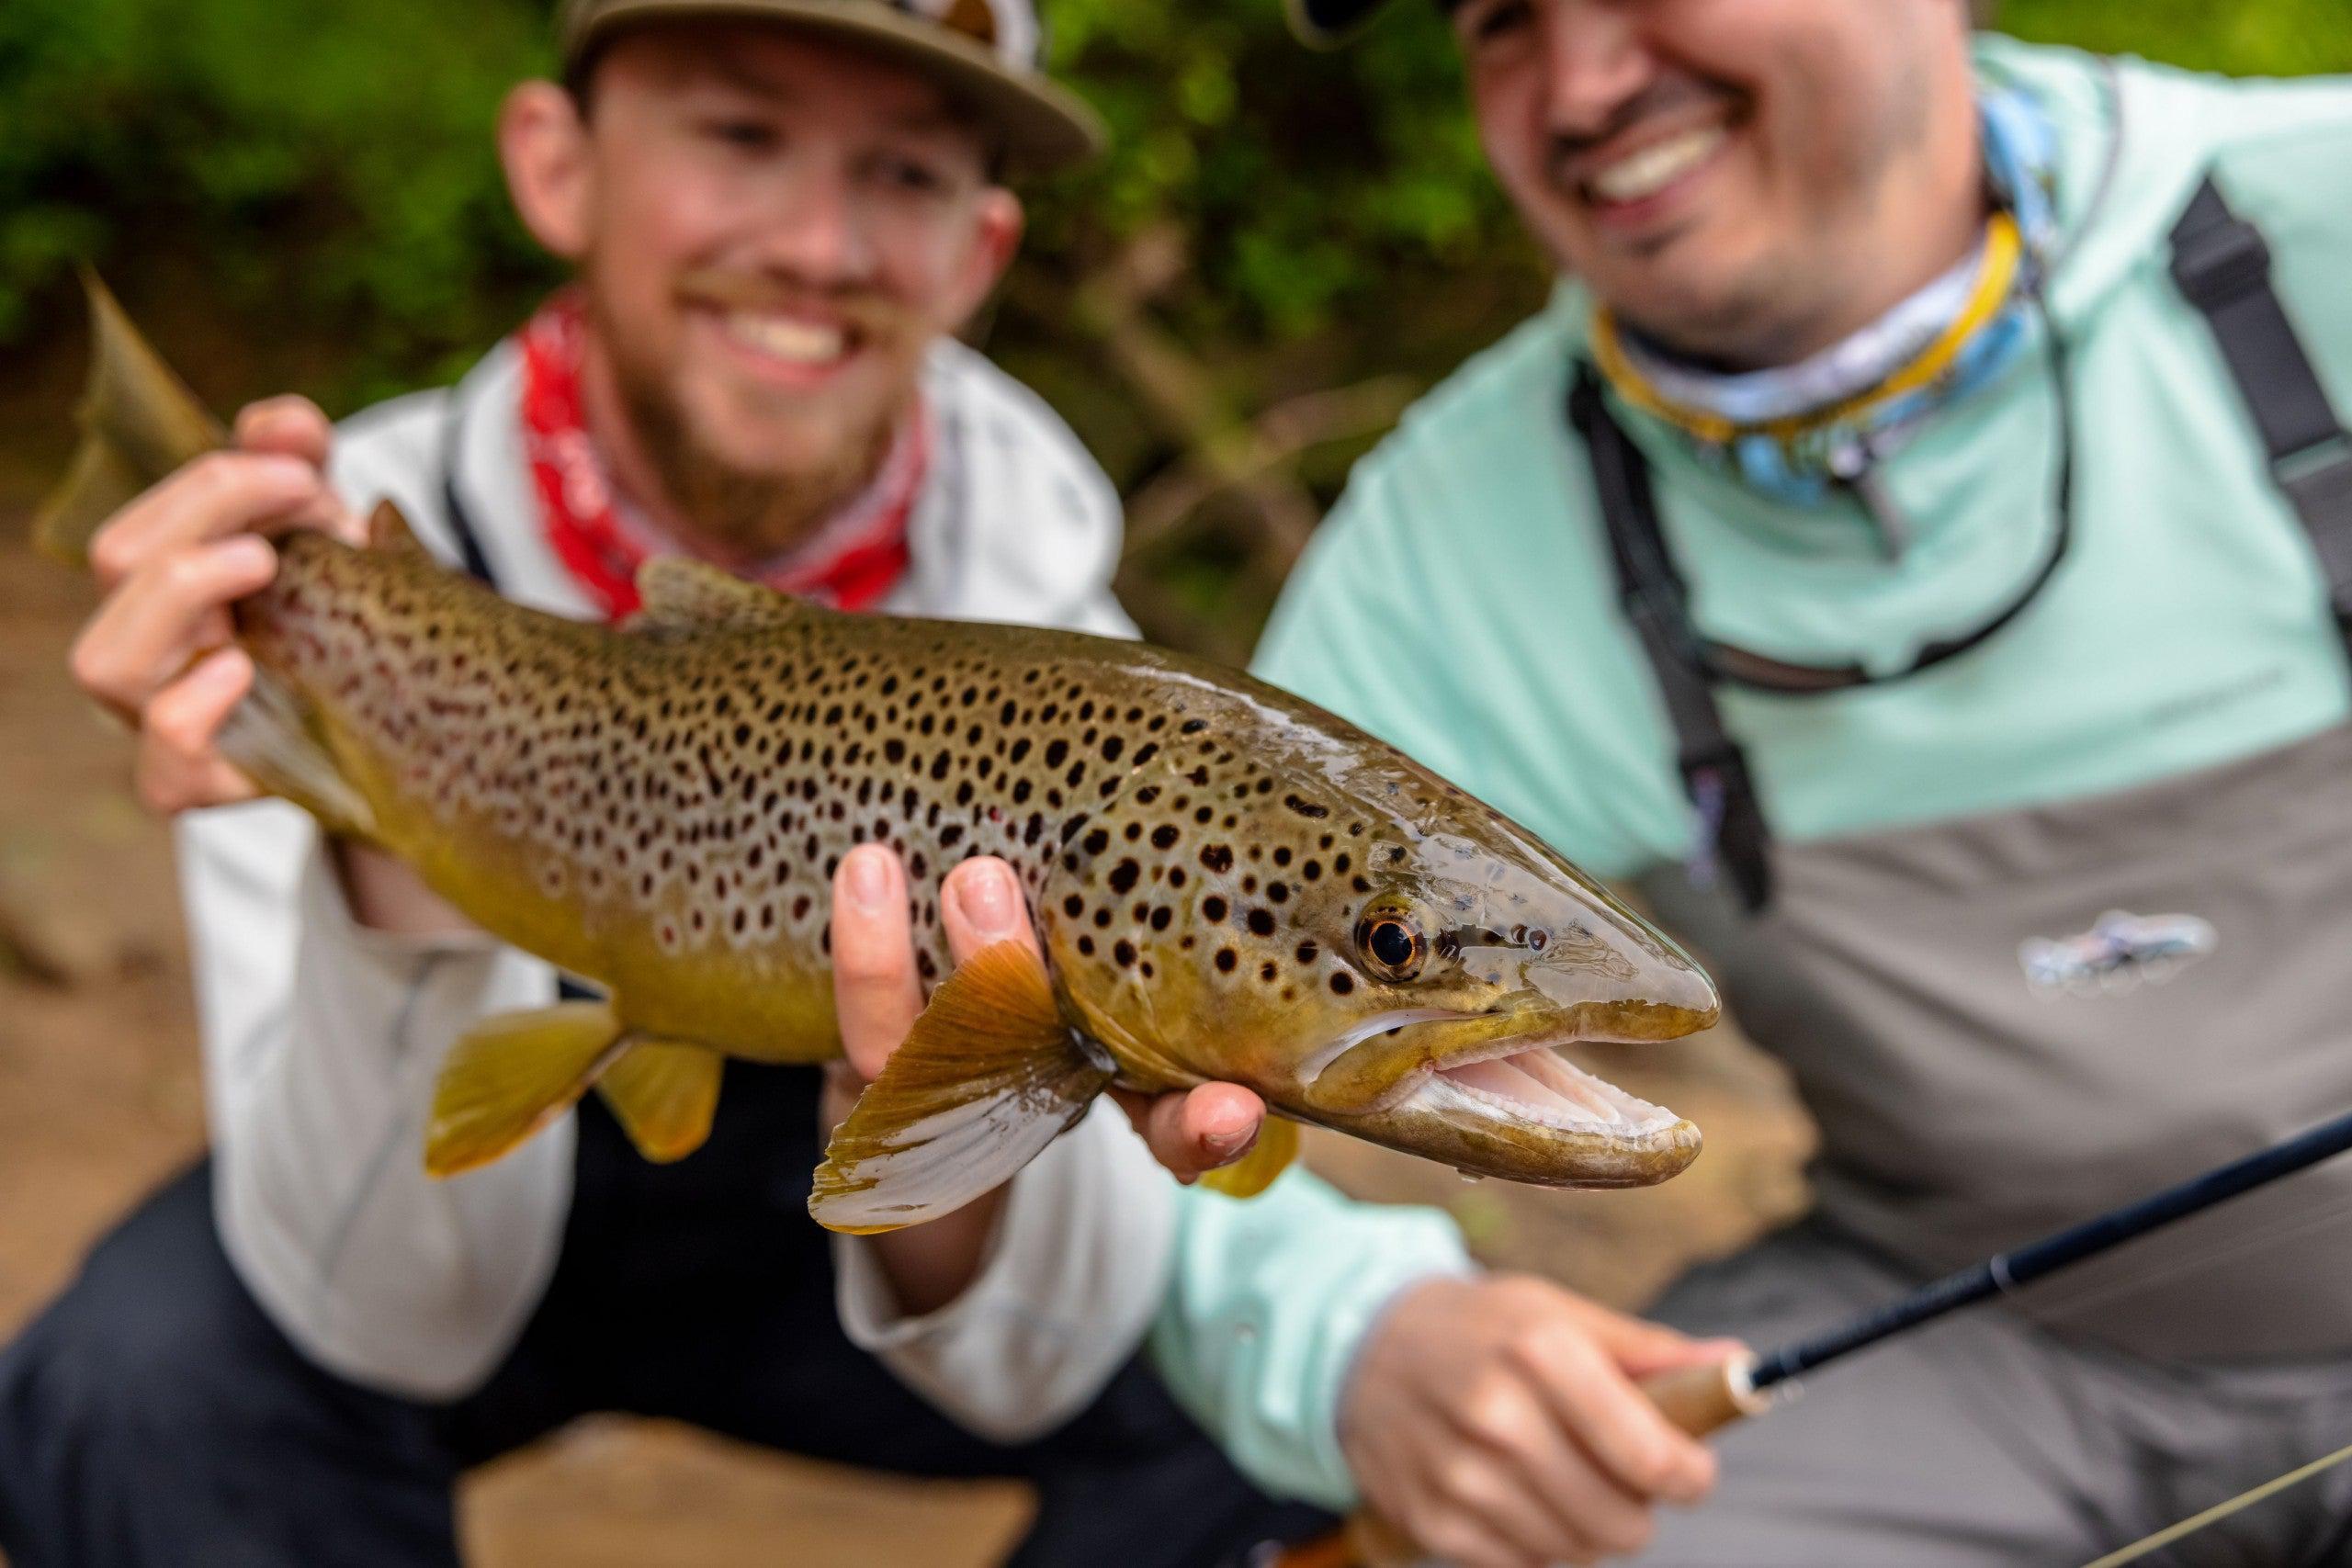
x,y
1277,1145
680,594
270,737
510,1076
139,422
989,1075
663,1093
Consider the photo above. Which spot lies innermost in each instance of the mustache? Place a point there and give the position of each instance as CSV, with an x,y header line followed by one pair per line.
x,y
728,289
1661,99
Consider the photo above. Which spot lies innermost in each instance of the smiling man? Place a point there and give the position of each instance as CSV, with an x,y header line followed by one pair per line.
x,y
1914,543
779,212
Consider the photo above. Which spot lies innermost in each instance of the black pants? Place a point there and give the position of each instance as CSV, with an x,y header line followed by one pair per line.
x,y
154,1415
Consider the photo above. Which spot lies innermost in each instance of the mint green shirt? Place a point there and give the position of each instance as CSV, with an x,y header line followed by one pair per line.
x,y
1460,603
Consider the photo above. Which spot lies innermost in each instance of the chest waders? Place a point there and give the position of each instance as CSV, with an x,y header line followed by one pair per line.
x,y
1982,1076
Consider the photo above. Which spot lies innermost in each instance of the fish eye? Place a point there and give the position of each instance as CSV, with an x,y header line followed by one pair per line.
x,y
1391,942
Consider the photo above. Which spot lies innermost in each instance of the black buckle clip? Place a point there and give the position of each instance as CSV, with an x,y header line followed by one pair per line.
x,y
2220,263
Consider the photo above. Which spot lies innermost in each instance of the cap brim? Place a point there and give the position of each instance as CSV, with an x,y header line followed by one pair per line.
x,y
1328,24
1044,126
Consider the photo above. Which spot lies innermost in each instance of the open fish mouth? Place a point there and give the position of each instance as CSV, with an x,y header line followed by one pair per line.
x,y
1538,1085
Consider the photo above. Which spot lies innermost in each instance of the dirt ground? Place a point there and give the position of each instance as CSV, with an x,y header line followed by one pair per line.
x,y
100,1098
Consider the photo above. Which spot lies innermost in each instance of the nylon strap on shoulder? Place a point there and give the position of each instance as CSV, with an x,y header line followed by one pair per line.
x,y
2222,267
1651,591
453,505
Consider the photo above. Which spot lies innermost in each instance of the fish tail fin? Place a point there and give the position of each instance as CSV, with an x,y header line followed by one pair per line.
x,y
271,738
663,1093
510,1076
989,1075
1277,1145
139,422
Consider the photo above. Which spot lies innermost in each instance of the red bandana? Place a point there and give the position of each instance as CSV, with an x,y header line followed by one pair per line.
x,y
853,561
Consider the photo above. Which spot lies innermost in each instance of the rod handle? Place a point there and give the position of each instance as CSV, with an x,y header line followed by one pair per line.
x,y
1705,1399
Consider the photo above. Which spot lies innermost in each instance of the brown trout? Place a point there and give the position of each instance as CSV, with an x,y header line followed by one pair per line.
x,y
1228,883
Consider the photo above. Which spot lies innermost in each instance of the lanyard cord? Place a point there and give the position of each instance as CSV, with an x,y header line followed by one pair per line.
x,y
1644,551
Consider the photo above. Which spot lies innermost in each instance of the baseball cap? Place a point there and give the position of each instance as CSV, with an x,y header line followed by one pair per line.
x,y
988,52
1328,24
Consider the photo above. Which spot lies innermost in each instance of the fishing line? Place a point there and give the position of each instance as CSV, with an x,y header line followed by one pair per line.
x,y
2220,1511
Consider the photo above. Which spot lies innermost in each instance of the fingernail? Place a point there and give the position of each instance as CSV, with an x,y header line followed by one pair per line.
x,y
1229,1139
989,902
246,552
868,875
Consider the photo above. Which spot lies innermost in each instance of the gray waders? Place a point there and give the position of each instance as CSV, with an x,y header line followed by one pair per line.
x,y
2011,1022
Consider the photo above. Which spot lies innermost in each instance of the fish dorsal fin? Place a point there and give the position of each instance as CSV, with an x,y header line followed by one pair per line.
x,y
388,529
1277,1145
989,1075
680,594
139,422
510,1076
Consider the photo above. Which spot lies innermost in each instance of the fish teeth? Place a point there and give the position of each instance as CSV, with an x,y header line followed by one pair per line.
x,y
1651,169
786,338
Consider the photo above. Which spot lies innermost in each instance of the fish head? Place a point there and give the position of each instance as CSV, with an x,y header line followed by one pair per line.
x,y
1315,916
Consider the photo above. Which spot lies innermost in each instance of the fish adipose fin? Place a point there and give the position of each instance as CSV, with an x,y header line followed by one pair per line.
x,y
989,1076
269,736
510,1076
139,422
1277,1145
663,1093
691,596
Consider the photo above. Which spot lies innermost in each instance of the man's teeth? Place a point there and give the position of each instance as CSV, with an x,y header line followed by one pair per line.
x,y
779,337
1651,170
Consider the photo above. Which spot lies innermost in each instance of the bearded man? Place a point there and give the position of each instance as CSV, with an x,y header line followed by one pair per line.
x,y
779,211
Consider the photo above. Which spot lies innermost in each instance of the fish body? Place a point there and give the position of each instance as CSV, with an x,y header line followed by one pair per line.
x,y
1228,883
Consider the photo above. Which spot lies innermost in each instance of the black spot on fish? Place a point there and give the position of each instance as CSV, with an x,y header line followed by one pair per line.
x,y
1073,906
1124,953
1227,958
1159,918
1057,752
1164,837
1218,858
1123,875
1192,726
1212,908
1261,922
1096,841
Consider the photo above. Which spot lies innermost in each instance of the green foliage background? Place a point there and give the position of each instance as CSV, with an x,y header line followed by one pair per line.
x,y
308,189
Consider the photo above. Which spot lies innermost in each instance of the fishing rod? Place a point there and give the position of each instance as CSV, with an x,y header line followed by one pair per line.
x,y
1701,1400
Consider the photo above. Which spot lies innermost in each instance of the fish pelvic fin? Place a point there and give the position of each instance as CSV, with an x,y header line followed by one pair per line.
x,y
680,594
510,1076
1277,1147
139,422
663,1093
990,1075
271,738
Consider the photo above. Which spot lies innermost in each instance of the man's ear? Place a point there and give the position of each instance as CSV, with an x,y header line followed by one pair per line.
x,y
543,144
996,237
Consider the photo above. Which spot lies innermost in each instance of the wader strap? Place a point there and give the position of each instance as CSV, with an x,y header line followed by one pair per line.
x,y
1734,836
453,505
2222,267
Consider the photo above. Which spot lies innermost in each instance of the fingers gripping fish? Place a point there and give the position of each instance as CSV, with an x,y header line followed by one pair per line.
x,y
1228,883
